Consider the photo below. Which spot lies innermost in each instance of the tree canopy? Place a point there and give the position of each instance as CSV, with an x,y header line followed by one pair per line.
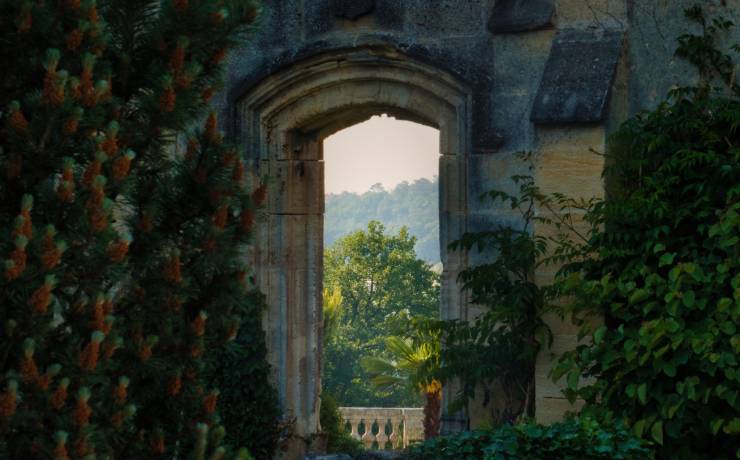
x,y
414,204
382,284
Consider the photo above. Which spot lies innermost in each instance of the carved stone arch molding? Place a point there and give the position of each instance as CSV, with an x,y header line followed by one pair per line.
x,y
283,121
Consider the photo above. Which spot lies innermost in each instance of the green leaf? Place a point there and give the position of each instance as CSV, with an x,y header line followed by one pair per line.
x,y
638,296
724,304
657,432
716,425
642,393
573,378
669,369
673,409
666,259
639,428
599,335
733,427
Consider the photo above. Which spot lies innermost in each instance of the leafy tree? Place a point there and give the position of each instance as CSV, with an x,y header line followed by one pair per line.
x,y
379,275
382,284
414,205
122,275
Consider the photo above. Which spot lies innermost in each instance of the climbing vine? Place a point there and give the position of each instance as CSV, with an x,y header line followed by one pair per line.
x,y
664,271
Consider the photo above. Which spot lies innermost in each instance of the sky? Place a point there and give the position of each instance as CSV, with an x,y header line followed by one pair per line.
x,y
381,150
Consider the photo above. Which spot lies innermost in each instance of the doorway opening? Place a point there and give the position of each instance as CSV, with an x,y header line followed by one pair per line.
x,y
283,121
381,273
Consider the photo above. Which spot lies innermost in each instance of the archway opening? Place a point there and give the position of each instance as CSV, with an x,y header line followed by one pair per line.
x,y
381,273
283,121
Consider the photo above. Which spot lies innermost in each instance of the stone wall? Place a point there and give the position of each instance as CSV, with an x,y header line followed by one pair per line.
x,y
497,77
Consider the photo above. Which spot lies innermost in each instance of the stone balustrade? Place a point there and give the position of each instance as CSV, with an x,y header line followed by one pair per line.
x,y
384,428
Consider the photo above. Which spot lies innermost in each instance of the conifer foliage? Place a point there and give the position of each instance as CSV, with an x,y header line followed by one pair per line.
x,y
122,256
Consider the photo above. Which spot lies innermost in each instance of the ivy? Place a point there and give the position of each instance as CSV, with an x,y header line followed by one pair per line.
x,y
577,439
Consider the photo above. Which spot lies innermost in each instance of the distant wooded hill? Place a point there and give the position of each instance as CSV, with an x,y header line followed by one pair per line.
x,y
415,205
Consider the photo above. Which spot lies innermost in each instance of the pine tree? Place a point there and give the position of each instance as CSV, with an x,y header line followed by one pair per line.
x,y
122,256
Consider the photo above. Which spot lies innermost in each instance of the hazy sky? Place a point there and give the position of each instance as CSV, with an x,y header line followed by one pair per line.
x,y
383,150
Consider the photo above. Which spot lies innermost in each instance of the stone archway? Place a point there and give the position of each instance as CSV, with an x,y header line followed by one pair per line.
x,y
284,120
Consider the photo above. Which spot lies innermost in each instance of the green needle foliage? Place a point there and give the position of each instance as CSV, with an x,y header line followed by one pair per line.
x,y
122,274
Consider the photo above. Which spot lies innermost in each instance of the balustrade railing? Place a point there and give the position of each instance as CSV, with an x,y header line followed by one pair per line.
x,y
384,428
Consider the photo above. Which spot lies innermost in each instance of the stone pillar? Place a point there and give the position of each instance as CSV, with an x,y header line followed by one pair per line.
x,y
294,262
453,224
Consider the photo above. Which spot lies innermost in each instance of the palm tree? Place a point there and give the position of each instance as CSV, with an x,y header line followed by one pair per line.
x,y
413,364
332,311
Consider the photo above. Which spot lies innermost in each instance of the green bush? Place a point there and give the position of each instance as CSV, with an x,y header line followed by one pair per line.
x,y
665,271
248,405
338,440
576,439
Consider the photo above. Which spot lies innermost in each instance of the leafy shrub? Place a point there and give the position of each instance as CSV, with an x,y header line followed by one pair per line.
x,y
665,273
332,424
498,349
576,439
249,407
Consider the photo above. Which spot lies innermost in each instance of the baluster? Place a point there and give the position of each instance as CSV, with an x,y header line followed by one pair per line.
x,y
354,423
393,436
368,437
381,437
405,432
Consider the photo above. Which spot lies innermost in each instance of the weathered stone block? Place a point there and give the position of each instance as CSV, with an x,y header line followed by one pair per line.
x,y
590,13
454,303
520,60
578,76
318,18
452,196
447,17
352,9
295,241
293,188
279,25
553,410
565,138
451,227
305,147
521,15
390,15
576,175
487,173
571,161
